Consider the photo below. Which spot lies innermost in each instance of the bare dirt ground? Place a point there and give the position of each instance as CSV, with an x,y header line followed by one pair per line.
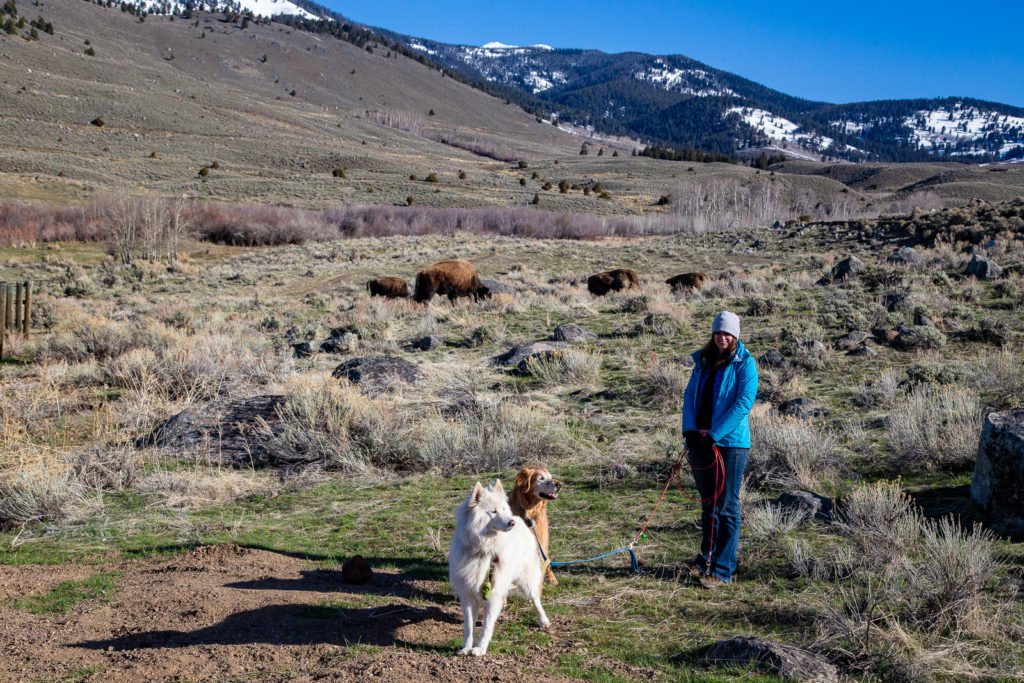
x,y
225,612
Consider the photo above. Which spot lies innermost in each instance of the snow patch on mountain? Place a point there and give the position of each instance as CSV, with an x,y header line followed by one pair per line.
x,y
259,8
539,82
778,128
696,82
943,128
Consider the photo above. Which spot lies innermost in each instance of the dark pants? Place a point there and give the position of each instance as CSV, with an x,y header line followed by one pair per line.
x,y
720,518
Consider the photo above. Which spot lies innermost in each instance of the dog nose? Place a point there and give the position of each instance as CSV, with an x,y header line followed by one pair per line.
x,y
558,485
511,523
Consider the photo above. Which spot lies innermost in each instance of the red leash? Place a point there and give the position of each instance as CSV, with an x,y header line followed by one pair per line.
x,y
719,464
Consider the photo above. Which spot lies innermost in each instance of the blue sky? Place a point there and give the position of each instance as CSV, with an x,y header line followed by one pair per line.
x,y
837,52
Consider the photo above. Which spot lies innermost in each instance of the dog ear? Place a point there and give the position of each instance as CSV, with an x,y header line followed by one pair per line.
x,y
476,494
498,488
524,480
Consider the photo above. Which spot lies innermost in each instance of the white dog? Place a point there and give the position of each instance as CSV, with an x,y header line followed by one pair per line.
x,y
491,549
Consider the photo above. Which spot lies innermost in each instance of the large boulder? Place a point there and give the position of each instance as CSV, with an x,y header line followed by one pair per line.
x,y
782,659
998,482
571,332
375,374
498,287
229,431
524,351
906,256
849,267
983,268
812,505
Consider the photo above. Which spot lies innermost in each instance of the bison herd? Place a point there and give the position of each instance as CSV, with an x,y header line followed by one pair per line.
x,y
456,278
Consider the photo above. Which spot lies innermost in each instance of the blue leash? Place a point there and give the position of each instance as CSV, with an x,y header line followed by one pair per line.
x,y
632,555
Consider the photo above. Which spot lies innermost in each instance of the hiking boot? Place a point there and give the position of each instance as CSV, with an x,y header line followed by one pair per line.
x,y
694,569
709,581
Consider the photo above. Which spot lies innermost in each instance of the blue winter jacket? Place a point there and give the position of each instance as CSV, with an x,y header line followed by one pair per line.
x,y
734,397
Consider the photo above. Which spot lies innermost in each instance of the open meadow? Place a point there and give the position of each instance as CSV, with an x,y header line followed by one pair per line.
x,y
211,547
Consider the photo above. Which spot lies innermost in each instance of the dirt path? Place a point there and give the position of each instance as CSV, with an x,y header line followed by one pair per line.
x,y
221,612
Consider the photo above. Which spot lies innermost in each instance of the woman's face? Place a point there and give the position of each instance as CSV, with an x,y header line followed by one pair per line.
x,y
722,340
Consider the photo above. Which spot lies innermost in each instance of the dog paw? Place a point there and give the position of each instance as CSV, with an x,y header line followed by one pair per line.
x,y
545,623
552,580
464,651
478,651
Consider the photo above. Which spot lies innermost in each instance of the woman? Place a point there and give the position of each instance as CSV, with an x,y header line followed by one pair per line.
x,y
716,403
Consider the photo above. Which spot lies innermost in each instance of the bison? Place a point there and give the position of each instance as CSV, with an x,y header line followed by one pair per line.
x,y
453,278
600,284
390,287
685,281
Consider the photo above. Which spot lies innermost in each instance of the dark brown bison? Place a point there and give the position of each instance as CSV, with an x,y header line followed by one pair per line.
x,y
687,281
600,284
453,278
391,287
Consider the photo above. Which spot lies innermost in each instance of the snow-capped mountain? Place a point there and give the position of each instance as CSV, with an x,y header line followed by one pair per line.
x,y
676,101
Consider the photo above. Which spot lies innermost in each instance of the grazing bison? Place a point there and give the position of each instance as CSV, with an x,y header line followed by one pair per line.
x,y
612,281
687,281
453,278
391,287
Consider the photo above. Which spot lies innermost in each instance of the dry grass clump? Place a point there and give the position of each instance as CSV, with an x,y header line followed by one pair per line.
x,y
494,438
771,522
114,468
183,489
663,384
956,567
935,428
37,486
571,367
882,521
998,374
332,424
879,392
786,451
81,336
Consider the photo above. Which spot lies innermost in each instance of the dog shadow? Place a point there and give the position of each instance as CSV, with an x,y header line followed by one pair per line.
x,y
294,625
405,584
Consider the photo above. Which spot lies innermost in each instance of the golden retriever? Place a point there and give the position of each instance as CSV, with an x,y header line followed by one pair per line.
x,y
529,499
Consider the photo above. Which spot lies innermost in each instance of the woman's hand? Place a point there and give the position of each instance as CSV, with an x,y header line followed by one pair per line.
x,y
703,433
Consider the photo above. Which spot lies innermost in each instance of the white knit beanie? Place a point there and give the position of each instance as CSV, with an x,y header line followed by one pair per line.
x,y
727,322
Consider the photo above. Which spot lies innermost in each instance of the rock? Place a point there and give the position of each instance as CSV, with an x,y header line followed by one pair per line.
x,y
357,571
802,408
232,431
906,256
813,505
98,122
302,350
497,287
520,353
849,267
897,301
333,345
983,268
782,659
431,341
379,373
885,336
571,332
813,347
998,482
863,351
773,359
921,319
852,340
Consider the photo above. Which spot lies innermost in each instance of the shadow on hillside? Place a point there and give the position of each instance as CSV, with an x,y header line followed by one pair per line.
x,y
295,625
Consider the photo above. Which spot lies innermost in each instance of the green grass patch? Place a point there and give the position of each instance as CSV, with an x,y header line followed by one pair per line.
x,y
63,597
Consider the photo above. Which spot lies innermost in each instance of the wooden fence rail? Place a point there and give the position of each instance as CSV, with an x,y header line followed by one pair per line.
x,y
15,310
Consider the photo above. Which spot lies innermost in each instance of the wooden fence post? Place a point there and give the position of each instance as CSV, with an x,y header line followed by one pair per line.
x,y
26,321
19,293
9,308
